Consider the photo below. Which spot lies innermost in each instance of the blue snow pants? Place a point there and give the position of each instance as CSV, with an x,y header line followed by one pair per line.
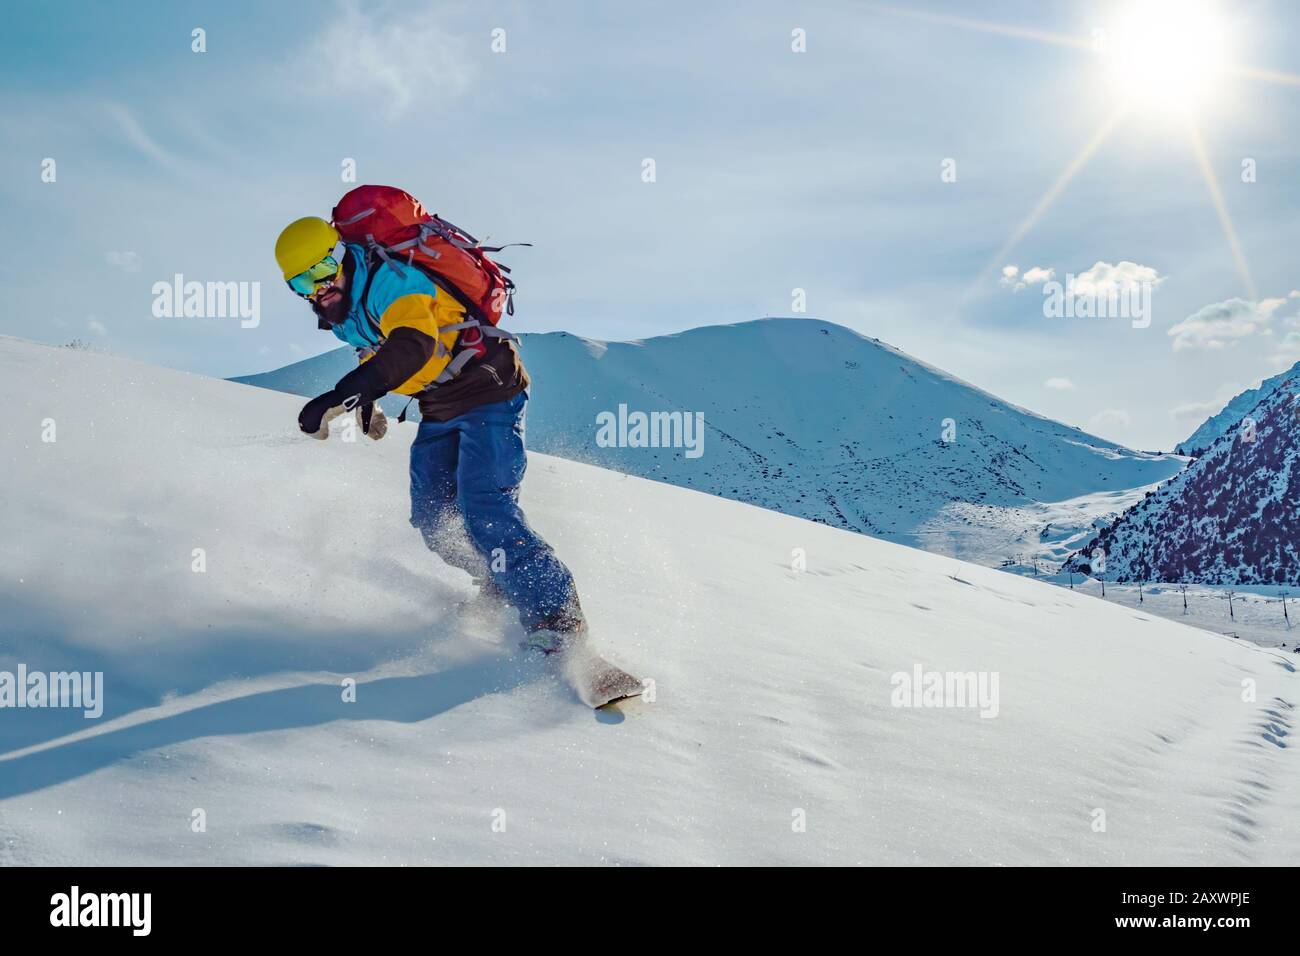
x,y
465,476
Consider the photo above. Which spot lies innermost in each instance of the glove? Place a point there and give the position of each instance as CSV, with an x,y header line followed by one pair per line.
x,y
316,415
372,420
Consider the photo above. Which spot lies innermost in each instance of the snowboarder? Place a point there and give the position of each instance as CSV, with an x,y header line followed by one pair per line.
x,y
413,335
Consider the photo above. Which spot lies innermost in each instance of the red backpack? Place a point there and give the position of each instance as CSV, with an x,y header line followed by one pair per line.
x,y
396,227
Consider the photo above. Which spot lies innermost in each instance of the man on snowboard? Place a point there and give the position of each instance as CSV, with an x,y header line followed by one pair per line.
x,y
418,335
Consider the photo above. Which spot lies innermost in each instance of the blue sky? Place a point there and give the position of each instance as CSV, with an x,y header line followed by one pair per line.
x,y
775,171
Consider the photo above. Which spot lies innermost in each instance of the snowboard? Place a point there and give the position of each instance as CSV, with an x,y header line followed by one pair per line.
x,y
596,681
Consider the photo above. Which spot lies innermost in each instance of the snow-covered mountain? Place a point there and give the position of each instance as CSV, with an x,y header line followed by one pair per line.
x,y
230,577
810,419
1233,517
1216,426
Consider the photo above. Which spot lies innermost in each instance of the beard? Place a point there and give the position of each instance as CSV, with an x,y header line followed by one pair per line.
x,y
328,316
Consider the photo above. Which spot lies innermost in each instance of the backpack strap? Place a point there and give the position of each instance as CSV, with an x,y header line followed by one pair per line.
x,y
454,367
465,356
496,332
439,350
452,232
444,227
382,252
357,218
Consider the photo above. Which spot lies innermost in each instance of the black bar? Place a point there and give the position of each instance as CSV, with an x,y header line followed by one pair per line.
x,y
562,906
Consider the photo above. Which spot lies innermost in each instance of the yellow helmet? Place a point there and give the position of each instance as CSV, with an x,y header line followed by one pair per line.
x,y
304,243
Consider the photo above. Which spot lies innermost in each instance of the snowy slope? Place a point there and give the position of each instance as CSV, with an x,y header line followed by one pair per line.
x,y
772,687
814,420
1216,426
1233,517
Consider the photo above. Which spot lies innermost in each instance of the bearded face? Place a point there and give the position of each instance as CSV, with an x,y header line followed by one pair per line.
x,y
330,302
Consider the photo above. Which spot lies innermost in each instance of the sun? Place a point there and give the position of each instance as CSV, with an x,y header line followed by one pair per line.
x,y
1167,54
1170,58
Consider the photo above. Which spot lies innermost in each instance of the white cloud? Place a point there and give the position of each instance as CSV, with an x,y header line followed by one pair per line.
x,y
1104,279
403,61
1108,419
1013,280
96,326
1059,384
126,261
1222,324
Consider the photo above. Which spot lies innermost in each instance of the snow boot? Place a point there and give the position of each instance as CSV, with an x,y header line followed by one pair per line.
x,y
565,629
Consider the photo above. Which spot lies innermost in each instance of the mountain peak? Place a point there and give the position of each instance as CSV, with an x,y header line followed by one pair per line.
x,y
1229,518
1226,420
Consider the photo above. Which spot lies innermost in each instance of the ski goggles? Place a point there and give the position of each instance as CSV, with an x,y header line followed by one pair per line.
x,y
308,282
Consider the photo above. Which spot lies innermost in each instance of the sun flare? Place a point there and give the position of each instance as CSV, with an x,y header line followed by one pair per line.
x,y
1163,59
1167,54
